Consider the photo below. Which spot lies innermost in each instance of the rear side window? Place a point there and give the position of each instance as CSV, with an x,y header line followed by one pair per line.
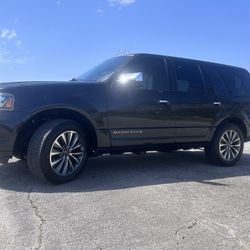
x,y
236,81
188,77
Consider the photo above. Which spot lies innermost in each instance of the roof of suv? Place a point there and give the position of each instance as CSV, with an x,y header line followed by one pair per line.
x,y
181,58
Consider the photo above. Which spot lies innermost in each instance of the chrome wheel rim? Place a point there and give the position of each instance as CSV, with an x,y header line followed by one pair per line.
x,y
66,153
230,145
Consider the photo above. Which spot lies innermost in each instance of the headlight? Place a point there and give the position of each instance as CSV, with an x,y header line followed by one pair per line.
x,y
6,101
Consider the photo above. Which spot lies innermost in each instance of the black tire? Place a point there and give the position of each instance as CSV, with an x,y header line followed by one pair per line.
x,y
39,148
212,151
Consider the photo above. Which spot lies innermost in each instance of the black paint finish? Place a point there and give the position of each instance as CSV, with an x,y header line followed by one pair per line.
x,y
127,117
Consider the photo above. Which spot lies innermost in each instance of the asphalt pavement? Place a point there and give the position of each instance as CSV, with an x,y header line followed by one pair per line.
x,y
154,201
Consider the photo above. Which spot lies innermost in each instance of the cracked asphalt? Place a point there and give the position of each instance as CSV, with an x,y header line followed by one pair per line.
x,y
155,201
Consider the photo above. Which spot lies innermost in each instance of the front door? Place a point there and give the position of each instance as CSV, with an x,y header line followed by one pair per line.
x,y
140,112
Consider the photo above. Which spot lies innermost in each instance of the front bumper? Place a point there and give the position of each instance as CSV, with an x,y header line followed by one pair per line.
x,y
10,123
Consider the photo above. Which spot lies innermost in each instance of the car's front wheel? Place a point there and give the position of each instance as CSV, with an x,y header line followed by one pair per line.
x,y
227,146
57,151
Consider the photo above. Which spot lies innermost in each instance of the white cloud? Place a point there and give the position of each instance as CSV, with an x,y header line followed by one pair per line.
x,y
7,33
121,2
6,58
58,2
18,43
11,51
20,60
100,11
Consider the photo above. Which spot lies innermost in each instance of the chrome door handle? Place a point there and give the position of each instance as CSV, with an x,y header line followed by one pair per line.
x,y
217,104
163,101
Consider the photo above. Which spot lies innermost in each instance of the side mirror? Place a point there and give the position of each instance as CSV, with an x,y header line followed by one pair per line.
x,y
126,78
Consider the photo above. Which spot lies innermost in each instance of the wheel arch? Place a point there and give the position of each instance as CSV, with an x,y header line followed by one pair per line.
x,y
235,120
39,117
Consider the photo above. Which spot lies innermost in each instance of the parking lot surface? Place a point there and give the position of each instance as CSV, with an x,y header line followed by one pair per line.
x,y
155,201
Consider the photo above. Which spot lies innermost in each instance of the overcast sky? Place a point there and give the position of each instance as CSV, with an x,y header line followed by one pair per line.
x,y
59,39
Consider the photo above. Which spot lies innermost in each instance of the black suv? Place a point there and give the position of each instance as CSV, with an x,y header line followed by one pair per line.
x,y
131,103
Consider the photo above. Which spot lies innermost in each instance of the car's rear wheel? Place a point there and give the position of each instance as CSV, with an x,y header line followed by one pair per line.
x,y
57,151
227,145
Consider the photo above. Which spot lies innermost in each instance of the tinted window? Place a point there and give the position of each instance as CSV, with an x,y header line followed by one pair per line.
x,y
105,70
188,76
209,78
153,71
237,81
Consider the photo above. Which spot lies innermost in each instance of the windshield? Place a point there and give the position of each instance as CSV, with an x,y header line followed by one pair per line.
x,y
105,70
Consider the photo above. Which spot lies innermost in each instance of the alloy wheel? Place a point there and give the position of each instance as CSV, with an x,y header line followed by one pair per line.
x,y
230,145
66,153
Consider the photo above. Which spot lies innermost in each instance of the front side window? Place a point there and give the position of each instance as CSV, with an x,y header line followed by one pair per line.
x,y
152,72
188,76
105,70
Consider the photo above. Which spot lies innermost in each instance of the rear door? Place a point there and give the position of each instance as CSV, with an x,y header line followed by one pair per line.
x,y
195,108
233,85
